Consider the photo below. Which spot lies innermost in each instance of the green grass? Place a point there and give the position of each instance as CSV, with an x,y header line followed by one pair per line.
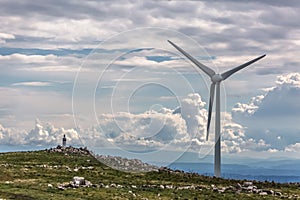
x,y
23,175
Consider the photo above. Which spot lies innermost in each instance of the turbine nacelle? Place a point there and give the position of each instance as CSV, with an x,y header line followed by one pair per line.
x,y
216,78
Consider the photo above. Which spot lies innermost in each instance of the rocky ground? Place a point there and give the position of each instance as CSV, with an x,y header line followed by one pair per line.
x,y
116,162
127,165
73,173
69,150
247,187
135,165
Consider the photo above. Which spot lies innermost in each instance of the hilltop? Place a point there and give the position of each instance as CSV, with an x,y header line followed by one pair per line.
x,y
74,173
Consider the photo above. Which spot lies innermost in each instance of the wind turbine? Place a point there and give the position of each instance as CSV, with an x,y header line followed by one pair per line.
x,y
216,79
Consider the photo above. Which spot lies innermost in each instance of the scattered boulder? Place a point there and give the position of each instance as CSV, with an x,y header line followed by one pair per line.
x,y
214,188
69,150
78,181
61,187
278,194
125,164
247,184
247,187
263,193
164,169
271,192
8,182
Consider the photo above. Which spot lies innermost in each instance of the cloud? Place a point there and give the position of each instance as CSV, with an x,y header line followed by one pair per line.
x,y
155,129
236,140
149,130
52,69
39,136
23,103
280,100
23,60
293,148
249,24
240,111
5,36
288,80
35,84
156,61
179,129
27,58
49,135
19,67
232,32
271,116
11,136
286,16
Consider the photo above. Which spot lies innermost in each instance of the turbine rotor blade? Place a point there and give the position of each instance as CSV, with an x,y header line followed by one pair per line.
x,y
225,75
211,102
204,68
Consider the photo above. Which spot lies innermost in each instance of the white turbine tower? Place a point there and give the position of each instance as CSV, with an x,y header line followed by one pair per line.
x,y
216,79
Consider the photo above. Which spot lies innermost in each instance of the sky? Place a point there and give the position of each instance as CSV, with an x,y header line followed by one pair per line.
x,y
103,73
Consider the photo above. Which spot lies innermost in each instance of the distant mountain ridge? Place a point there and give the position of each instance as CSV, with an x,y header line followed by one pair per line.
x,y
238,171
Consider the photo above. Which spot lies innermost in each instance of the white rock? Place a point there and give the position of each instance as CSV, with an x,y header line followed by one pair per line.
x,y
113,185
250,187
278,194
169,186
88,183
248,183
77,180
8,182
263,193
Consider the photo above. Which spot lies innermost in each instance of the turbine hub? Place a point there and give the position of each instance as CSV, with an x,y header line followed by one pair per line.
x,y
216,78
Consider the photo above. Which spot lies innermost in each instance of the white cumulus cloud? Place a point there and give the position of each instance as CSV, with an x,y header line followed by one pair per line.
x,y
272,116
155,129
11,136
40,135
293,148
180,129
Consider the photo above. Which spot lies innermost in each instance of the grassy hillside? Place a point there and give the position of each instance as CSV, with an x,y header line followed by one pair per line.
x,y
46,175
